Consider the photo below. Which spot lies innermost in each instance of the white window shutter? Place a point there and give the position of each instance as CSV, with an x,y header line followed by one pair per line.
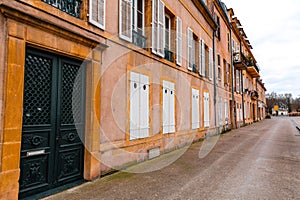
x,y
154,26
161,29
178,41
226,111
190,48
125,20
195,109
210,63
166,107
206,109
172,108
202,58
220,111
97,13
144,106
134,106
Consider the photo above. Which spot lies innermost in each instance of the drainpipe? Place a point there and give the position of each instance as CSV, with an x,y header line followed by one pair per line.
x,y
256,117
233,110
215,82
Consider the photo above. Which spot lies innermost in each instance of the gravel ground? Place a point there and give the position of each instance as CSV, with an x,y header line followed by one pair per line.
x,y
260,161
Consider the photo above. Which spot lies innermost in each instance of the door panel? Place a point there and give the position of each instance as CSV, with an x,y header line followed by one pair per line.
x,y
53,116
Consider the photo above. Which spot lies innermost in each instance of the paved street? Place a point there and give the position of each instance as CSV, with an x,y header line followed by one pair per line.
x,y
260,161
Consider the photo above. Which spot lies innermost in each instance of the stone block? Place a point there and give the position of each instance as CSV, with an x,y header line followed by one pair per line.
x,y
10,156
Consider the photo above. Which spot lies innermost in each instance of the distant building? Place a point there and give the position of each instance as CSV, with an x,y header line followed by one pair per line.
x,y
280,110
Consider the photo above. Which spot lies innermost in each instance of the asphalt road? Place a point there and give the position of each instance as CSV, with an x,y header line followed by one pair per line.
x,y
260,161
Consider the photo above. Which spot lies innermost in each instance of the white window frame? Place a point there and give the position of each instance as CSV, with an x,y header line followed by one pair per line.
x,y
189,48
178,41
195,108
210,64
202,55
91,20
158,27
135,13
169,33
121,35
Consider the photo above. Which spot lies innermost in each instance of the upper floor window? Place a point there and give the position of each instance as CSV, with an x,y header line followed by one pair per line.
x,y
219,28
97,13
131,22
138,16
158,27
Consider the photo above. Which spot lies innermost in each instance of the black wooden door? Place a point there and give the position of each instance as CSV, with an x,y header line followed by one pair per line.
x,y
53,122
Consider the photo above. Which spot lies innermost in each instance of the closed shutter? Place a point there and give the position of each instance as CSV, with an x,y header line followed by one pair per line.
x,y
206,109
125,20
134,106
139,106
237,81
161,29
190,48
172,108
154,26
166,107
202,57
220,111
226,111
178,41
144,106
210,62
97,13
195,109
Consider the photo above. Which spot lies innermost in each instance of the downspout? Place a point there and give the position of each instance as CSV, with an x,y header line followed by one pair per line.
x,y
233,110
215,82
256,117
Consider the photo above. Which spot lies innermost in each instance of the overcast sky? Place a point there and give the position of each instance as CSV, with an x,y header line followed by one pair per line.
x,y
273,28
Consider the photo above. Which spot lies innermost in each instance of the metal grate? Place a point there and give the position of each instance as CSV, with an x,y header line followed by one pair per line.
x,y
37,92
71,93
72,7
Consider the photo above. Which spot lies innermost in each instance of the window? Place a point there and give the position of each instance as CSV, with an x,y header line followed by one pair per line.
x,y
167,32
237,47
202,57
219,28
206,109
226,111
191,49
233,45
97,13
178,41
158,27
125,20
210,64
204,1
168,107
228,41
219,67
237,84
131,22
220,106
225,70
195,109
138,16
139,106
168,45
